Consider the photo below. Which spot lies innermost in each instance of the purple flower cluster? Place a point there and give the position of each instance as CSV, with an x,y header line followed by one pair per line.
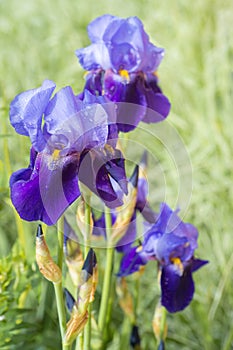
x,y
74,140
122,64
172,243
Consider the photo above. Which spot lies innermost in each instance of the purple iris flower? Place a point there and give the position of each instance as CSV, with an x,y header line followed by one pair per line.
x,y
122,63
72,140
138,180
172,243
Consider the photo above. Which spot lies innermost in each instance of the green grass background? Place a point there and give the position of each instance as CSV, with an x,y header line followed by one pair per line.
x,y
37,41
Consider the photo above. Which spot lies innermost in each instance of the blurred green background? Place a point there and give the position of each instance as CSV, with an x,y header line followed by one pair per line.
x,y
37,41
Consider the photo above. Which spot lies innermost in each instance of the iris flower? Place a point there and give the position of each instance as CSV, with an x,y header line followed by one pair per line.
x,y
72,140
172,243
139,181
122,64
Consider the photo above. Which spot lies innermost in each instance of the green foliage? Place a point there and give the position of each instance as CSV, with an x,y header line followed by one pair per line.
x,y
38,39
25,306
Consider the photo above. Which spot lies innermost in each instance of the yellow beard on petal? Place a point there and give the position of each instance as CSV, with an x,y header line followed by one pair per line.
x,y
176,261
124,74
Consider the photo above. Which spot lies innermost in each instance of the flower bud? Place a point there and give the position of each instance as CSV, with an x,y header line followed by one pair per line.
x,y
135,338
73,254
47,266
75,326
69,300
86,281
94,280
161,345
125,298
156,323
81,220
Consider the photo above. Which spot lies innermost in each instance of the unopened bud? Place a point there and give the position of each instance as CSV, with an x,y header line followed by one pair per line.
x,y
134,177
125,298
69,300
94,281
47,266
73,254
81,220
161,345
75,326
86,281
156,323
135,338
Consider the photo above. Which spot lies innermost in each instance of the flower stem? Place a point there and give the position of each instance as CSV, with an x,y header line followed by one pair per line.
x,y
60,236
87,329
60,307
58,286
107,276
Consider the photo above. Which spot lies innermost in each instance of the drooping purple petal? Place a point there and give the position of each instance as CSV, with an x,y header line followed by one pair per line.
x,y
196,264
131,106
47,190
158,105
93,173
177,291
131,262
26,112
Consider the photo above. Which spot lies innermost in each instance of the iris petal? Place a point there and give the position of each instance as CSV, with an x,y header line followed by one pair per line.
x,y
74,125
131,262
26,112
44,192
177,291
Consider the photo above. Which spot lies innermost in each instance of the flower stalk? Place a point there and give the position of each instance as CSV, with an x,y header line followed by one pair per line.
x,y
87,329
108,274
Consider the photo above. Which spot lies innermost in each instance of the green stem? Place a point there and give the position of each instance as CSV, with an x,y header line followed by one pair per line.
x,y
58,286
60,307
79,342
60,237
107,275
87,329
136,297
87,226
106,289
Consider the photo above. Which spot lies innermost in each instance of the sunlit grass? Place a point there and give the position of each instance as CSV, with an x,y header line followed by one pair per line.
x,y
38,40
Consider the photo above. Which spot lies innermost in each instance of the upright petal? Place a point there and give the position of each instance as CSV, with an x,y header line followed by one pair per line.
x,y
97,27
26,112
74,125
94,56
